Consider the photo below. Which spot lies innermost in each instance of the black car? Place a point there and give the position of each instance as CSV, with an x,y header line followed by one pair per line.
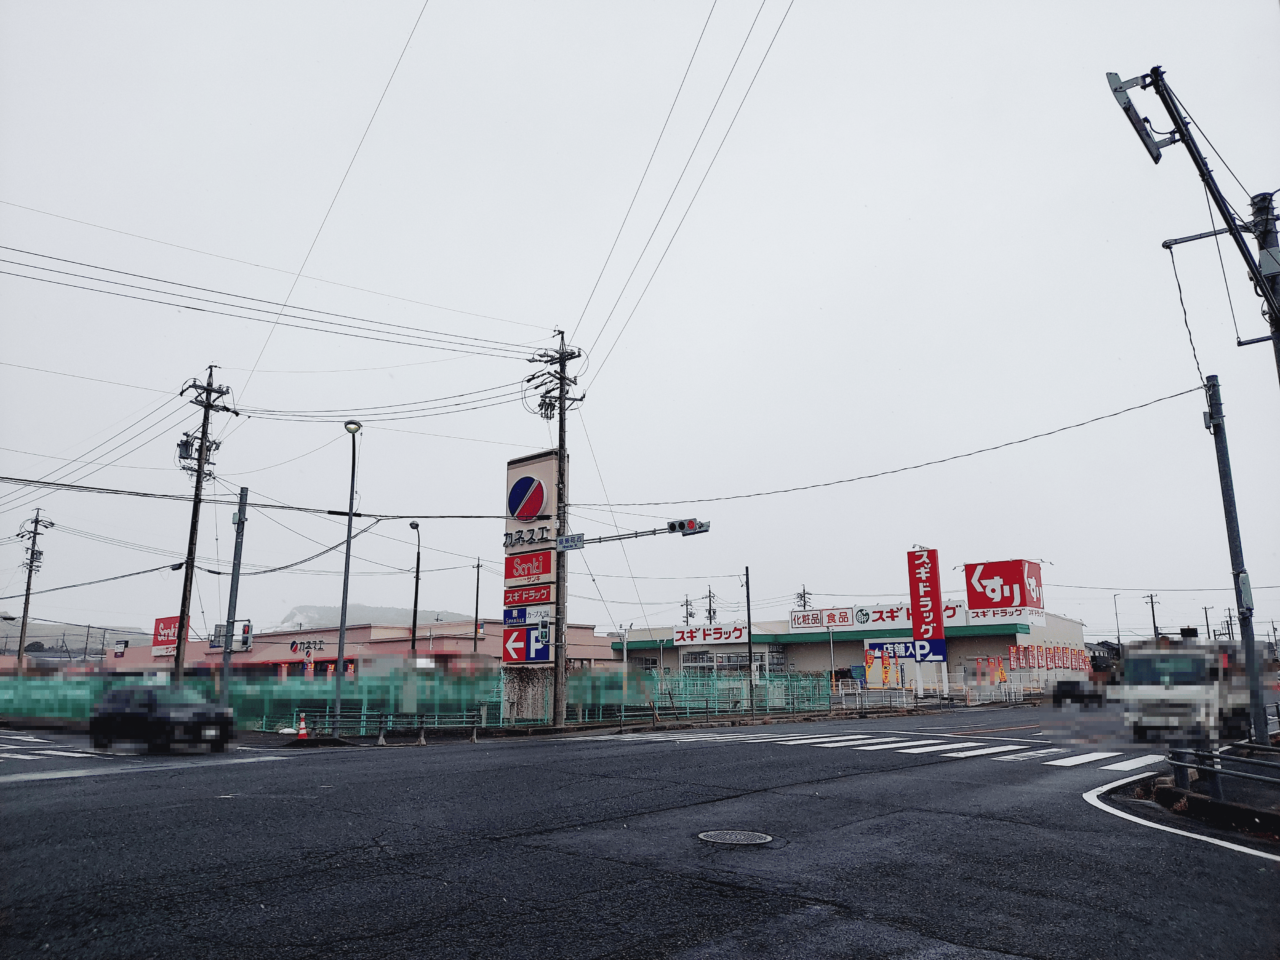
x,y
160,717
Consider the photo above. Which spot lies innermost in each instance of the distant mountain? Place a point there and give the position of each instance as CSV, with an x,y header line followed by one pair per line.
x,y
313,616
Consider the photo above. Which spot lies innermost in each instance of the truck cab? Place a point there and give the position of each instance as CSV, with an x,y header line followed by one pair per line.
x,y
1183,691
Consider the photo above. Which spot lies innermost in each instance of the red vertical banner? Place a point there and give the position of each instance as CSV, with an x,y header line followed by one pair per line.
x,y
926,595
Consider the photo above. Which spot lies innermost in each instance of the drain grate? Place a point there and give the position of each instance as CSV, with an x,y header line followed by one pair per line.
x,y
735,837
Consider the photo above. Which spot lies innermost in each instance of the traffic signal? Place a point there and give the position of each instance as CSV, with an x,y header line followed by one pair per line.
x,y
687,528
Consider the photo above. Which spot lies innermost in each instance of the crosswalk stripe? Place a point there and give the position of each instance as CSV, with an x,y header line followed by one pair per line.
x,y
952,745
1083,758
981,753
63,753
905,741
19,756
895,746
845,741
1030,755
817,740
1135,763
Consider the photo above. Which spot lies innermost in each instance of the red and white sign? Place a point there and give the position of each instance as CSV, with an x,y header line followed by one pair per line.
x,y
714,633
164,641
531,501
529,568
1005,591
513,644
926,595
529,596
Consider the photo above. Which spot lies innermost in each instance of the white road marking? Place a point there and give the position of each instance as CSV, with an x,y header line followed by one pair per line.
x,y
1093,798
895,746
18,756
981,753
1135,763
904,741
815,741
1031,755
63,753
1083,758
946,746
970,736
845,741
23,737
148,768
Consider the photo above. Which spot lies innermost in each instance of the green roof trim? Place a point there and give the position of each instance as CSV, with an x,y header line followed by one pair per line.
x,y
897,633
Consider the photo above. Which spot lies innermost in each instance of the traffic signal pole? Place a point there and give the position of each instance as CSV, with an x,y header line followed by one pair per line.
x,y
1215,422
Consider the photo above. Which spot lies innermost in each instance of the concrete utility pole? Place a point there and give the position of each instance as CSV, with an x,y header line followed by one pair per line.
x,y
1215,421
417,576
711,611
475,627
206,398
224,696
1155,630
34,556
751,659
554,403
1263,207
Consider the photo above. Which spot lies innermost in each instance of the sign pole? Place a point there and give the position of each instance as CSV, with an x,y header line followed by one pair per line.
x,y
831,641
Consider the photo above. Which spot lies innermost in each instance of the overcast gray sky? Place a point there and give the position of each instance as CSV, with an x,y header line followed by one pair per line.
x,y
929,230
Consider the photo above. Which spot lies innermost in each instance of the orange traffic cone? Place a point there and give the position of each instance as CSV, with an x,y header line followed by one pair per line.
x,y
302,726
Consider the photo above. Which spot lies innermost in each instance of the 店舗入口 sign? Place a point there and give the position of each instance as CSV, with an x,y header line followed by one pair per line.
x,y
526,569
531,502
1008,591
926,595
870,618
712,633
164,641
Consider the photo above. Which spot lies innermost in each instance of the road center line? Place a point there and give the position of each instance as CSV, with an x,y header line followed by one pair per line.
x,y
1094,799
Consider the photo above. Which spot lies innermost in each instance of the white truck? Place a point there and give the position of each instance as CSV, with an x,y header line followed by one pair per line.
x,y
1182,691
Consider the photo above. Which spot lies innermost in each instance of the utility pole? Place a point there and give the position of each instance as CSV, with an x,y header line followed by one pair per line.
x,y
1155,631
1231,633
242,509
1116,610
475,627
417,576
1215,421
1263,207
688,609
34,556
1208,631
802,598
751,659
206,398
1265,276
85,659
554,403
711,611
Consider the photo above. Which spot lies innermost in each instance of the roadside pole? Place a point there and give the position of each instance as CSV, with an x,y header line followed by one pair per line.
x,y
751,658
831,687
224,696
1215,422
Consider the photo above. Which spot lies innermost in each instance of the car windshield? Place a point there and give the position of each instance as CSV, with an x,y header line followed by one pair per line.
x,y
1165,671
181,697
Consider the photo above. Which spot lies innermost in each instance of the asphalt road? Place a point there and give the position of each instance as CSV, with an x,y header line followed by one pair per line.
x,y
585,846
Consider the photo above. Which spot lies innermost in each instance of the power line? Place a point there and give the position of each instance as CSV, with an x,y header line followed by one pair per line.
x,y
262,266
917,466
351,163
693,199
76,376
408,336
1185,321
90,583
680,179
653,153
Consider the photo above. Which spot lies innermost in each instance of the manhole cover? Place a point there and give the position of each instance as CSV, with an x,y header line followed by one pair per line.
x,y
735,837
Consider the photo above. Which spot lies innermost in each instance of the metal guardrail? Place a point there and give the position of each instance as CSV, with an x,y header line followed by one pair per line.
x,y
1212,765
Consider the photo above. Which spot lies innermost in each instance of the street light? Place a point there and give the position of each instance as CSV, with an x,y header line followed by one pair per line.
x,y
417,574
353,427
